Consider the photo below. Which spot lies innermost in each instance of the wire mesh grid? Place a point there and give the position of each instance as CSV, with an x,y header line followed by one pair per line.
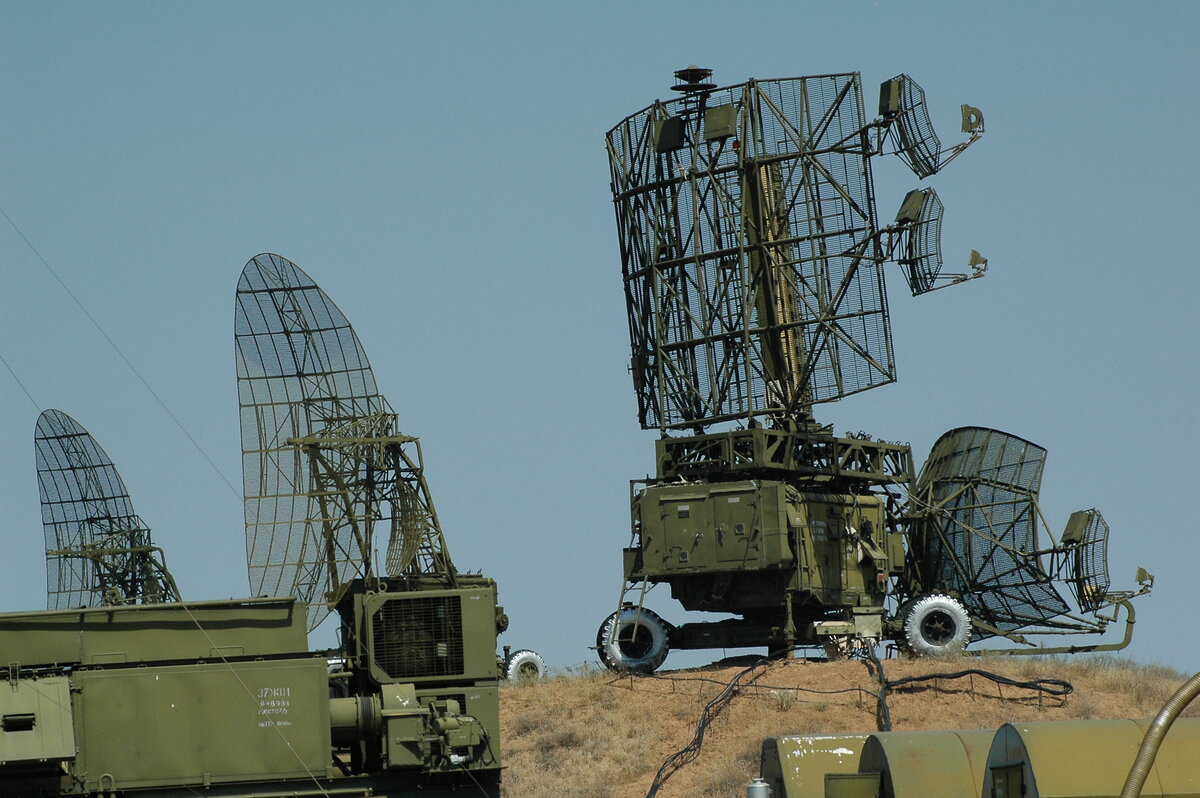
x,y
917,143
419,637
1088,564
301,371
95,542
922,256
750,254
323,463
979,488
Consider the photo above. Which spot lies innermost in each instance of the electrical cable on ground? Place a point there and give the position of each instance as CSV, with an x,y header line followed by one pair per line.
x,y
883,715
758,685
690,751
1055,687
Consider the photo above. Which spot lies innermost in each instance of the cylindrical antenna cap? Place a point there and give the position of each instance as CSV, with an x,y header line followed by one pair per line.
x,y
690,79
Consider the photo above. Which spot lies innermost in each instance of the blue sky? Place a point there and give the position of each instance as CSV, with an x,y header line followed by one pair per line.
x,y
439,170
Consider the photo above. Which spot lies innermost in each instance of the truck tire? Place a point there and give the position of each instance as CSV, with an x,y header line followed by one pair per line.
x,y
524,666
936,626
633,640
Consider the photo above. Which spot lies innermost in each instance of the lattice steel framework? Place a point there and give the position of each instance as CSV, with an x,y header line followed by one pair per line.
x,y
98,550
750,251
323,463
978,491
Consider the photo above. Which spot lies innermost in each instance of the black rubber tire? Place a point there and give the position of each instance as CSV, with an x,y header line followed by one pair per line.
x,y
626,649
936,626
524,665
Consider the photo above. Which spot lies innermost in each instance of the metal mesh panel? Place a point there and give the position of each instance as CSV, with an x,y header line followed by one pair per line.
x,y
752,269
1089,578
300,369
922,253
978,453
978,491
916,142
414,637
322,460
97,548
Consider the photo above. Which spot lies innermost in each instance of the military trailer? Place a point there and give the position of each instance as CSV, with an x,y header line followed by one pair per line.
x,y
223,698
1079,759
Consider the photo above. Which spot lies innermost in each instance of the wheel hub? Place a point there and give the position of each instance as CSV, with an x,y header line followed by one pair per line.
x,y
938,628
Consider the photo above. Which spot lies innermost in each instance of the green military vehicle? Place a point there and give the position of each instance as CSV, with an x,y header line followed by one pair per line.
x,y
223,698
122,688
753,266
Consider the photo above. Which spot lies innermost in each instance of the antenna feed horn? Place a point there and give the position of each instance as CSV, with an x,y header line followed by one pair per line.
x,y
972,120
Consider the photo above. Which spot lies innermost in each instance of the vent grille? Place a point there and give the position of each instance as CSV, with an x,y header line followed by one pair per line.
x,y
413,637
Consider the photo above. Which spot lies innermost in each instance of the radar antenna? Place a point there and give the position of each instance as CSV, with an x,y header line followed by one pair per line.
x,y
908,126
753,270
750,251
323,463
98,551
980,535
978,494
915,242
751,254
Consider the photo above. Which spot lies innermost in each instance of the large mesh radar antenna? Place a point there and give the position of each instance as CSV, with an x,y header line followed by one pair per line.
x,y
747,223
98,551
750,249
323,464
978,494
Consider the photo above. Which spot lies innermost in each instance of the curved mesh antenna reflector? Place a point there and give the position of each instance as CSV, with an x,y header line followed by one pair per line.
x,y
978,495
749,249
322,461
410,526
98,551
921,245
916,142
1088,559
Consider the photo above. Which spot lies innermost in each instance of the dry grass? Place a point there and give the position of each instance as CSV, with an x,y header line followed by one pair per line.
x,y
590,734
1149,686
573,737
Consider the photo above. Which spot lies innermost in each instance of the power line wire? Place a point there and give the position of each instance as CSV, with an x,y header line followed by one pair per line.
x,y
120,354
36,406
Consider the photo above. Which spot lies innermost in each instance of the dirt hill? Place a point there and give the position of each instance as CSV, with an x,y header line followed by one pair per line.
x,y
592,734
